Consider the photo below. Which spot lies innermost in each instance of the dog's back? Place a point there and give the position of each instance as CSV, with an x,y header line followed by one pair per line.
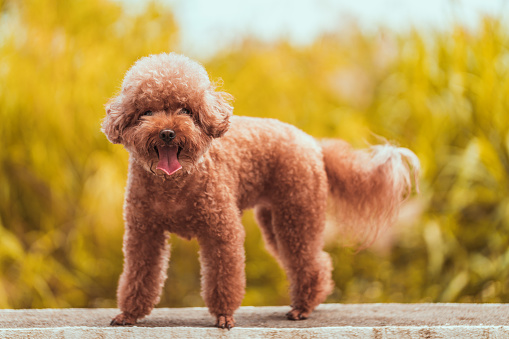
x,y
274,161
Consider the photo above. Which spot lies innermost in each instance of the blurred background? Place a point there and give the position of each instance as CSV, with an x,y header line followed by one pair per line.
x,y
431,76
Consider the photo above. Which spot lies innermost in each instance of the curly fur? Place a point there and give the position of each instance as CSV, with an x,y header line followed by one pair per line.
x,y
229,164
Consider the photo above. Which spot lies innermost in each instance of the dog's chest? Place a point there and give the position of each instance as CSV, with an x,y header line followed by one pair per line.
x,y
176,209
168,205
171,214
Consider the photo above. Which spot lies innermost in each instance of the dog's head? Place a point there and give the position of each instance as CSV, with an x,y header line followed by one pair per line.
x,y
167,113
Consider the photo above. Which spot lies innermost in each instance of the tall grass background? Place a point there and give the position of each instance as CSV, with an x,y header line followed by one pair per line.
x,y
443,94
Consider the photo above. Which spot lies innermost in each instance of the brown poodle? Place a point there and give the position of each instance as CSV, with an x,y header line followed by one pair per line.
x,y
193,169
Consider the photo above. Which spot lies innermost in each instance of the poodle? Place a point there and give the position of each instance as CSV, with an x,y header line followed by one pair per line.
x,y
193,169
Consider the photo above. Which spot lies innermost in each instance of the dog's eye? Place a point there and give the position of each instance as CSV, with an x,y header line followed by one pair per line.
x,y
185,111
147,113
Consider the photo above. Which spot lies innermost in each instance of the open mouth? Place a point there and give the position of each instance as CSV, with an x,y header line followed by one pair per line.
x,y
168,158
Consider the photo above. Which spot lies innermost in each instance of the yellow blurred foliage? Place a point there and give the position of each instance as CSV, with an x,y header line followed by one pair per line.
x,y
444,95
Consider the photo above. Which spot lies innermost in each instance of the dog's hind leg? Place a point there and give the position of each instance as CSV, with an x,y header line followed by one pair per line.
x,y
263,216
298,232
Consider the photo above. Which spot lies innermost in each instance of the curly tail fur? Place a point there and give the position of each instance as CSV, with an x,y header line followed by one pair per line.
x,y
367,187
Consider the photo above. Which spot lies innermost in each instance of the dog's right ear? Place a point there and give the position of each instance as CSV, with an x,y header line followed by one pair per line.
x,y
114,122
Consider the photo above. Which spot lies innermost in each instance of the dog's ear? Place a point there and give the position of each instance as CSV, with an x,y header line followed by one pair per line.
x,y
115,121
215,114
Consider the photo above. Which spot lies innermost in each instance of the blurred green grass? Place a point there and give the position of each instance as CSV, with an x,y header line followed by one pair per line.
x,y
442,94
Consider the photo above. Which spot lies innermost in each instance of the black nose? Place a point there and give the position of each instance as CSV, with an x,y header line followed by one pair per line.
x,y
167,135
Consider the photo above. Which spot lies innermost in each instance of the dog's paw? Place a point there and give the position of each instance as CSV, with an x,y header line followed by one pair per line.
x,y
123,319
296,314
225,321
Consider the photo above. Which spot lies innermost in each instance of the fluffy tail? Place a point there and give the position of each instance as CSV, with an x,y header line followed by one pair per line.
x,y
367,187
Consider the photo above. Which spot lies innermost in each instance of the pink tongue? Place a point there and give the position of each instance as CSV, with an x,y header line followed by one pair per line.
x,y
168,161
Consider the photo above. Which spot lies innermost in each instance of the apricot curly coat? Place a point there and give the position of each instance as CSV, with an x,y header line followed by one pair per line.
x,y
193,169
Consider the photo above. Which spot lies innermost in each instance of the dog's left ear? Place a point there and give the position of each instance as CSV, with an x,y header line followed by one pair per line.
x,y
215,113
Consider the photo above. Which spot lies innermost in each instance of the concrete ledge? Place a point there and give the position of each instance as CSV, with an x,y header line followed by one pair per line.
x,y
328,321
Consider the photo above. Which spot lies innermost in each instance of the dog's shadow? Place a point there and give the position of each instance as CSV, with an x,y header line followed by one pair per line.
x,y
243,318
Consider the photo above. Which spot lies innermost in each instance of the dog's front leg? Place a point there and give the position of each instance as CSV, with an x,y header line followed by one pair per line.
x,y
146,254
223,275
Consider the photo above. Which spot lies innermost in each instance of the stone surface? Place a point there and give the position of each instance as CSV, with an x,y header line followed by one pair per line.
x,y
327,321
